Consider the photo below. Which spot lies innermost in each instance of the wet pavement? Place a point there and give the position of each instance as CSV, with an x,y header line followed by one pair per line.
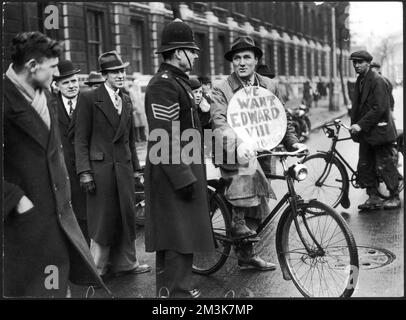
x,y
379,235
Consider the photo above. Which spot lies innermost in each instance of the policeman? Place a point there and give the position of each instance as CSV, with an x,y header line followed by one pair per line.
x,y
177,215
373,127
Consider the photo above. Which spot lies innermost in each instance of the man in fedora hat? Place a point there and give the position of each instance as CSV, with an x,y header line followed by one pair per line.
x,y
106,161
372,126
244,56
67,98
177,215
94,80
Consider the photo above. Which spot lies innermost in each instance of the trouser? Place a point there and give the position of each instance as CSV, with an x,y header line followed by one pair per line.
x,y
377,161
244,250
173,274
119,257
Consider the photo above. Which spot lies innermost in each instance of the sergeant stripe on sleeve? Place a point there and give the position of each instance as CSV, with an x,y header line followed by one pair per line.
x,y
165,113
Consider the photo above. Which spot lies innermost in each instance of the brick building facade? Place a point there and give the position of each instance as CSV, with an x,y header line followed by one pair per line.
x,y
295,36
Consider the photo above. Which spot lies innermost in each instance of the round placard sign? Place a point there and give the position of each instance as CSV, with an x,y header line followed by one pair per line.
x,y
258,117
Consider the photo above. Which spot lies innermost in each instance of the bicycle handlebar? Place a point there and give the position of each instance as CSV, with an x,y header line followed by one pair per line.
x,y
336,123
297,153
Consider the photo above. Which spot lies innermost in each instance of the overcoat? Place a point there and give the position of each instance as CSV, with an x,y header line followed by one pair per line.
x,y
105,146
48,234
371,105
66,127
173,223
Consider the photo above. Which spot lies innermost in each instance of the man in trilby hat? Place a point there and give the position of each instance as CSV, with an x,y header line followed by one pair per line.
x,y
248,199
95,79
106,162
177,215
67,97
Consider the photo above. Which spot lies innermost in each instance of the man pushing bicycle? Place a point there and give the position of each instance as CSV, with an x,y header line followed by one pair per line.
x,y
248,190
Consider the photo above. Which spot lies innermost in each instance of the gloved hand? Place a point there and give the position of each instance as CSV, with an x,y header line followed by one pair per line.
x,y
87,182
186,193
244,153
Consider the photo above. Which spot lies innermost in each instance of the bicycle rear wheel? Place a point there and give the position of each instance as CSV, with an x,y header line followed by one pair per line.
x,y
206,263
330,190
330,272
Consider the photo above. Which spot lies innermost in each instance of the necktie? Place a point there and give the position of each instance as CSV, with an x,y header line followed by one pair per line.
x,y
117,102
70,104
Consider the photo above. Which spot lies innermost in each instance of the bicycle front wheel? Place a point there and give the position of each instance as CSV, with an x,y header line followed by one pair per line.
x,y
330,270
206,263
327,181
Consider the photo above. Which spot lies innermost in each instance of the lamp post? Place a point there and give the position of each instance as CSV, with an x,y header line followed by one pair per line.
x,y
333,74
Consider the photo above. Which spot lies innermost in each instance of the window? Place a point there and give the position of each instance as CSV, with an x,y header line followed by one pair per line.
x,y
202,64
323,64
281,59
94,37
221,47
291,60
137,28
300,60
270,57
316,63
309,64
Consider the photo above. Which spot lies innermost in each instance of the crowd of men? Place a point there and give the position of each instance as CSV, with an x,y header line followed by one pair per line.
x,y
70,162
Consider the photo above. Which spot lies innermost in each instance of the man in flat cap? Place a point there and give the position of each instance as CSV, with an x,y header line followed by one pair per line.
x,y
372,126
67,97
106,161
249,190
177,214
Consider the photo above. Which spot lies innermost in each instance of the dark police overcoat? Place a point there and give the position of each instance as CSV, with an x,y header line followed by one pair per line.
x,y
171,222
105,146
48,234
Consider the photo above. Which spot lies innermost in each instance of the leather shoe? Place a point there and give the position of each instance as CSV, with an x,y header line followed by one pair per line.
x,y
372,203
142,268
392,203
256,263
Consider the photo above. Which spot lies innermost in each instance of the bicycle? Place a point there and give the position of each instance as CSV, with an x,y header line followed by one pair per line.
x,y
328,178
315,247
139,214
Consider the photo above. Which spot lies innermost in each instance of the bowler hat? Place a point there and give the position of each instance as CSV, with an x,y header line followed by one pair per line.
x,y
375,65
264,70
111,60
66,69
194,83
243,43
175,35
361,55
94,78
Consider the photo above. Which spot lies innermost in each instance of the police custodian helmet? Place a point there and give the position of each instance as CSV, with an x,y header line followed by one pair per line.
x,y
175,35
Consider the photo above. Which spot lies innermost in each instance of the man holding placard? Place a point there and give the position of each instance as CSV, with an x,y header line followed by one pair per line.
x,y
248,117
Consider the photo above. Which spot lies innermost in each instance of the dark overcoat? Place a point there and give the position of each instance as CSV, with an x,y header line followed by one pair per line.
x,y
48,234
105,146
173,223
371,105
66,127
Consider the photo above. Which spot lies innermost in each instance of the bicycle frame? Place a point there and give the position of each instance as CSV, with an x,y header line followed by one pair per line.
x,y
290,198
333,152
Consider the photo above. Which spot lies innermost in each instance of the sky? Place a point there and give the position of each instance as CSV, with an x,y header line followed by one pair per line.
x,y
376,19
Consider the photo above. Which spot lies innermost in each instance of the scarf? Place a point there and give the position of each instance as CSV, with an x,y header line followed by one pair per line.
x,y
36,98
